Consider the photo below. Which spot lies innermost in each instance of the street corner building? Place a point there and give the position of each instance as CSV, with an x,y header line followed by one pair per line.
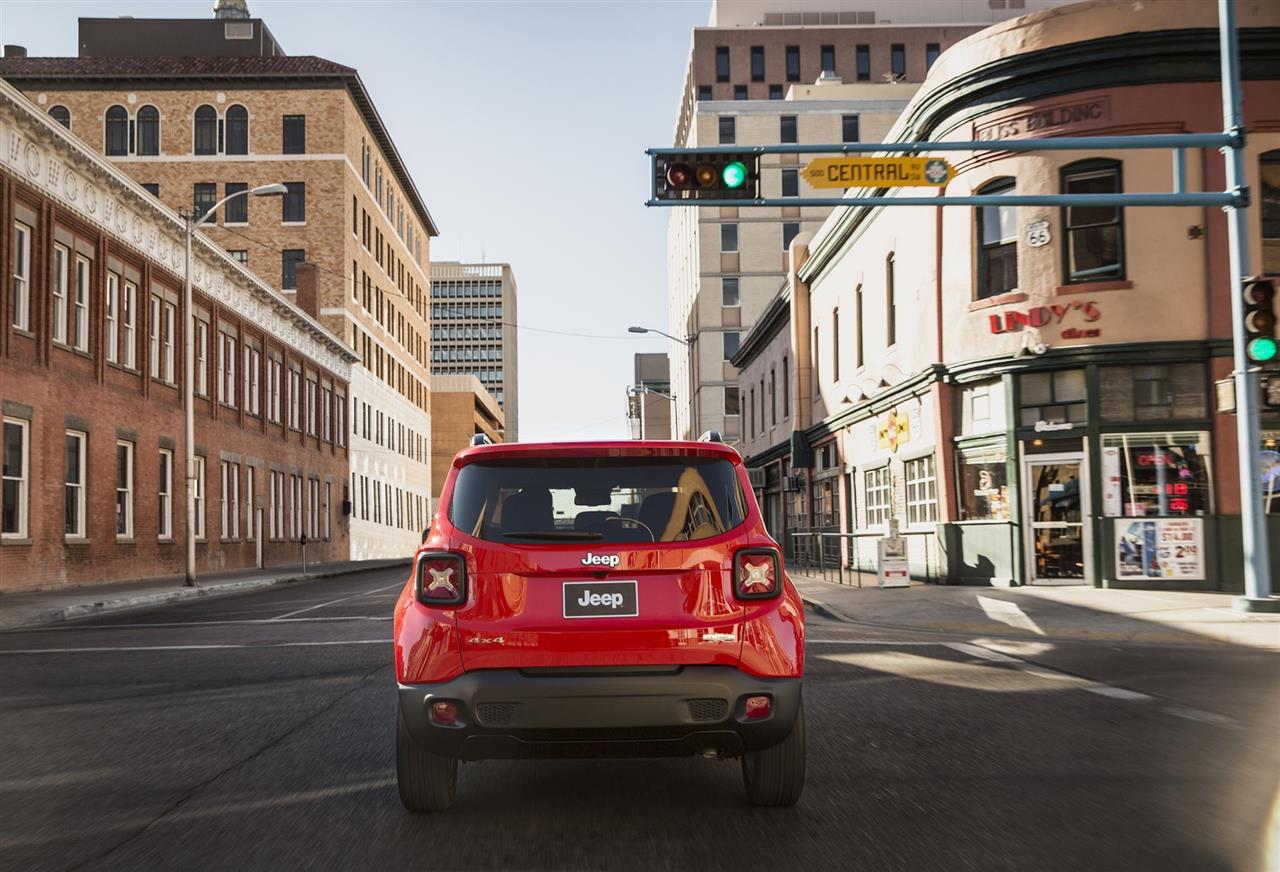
x,y
1027,394
91,372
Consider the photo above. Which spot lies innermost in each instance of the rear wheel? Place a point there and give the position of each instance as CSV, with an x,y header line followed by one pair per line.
x,y
775,776
428,782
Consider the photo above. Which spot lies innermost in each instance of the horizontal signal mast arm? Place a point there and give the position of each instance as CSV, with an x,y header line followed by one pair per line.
x,y
1073,143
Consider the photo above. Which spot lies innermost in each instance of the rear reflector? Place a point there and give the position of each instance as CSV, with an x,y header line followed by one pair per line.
x,y
444,712
758,707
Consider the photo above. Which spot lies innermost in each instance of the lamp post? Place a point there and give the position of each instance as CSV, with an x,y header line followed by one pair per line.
x,y
687,343
192,222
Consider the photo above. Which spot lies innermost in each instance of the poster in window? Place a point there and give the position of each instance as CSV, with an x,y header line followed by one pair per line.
x,y
1160,548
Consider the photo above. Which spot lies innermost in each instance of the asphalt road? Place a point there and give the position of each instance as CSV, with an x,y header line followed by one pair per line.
x,y
256,732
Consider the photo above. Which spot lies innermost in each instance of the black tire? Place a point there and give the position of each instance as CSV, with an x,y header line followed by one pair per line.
x,y
775,776
427,782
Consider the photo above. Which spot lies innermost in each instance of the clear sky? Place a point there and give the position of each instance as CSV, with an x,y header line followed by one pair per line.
x,y
524,125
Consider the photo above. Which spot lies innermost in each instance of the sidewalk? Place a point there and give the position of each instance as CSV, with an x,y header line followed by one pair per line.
x,y
1048,613
27,609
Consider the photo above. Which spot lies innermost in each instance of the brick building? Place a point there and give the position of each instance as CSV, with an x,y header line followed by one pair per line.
x,y
235,111
91,384
465,409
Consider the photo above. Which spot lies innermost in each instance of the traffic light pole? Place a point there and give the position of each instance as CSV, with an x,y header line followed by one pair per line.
x,y
1253,520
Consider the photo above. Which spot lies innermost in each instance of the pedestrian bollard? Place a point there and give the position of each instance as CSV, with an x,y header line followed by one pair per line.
x,y
304,552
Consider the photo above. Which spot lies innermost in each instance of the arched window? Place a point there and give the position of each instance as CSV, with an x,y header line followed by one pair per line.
x,y
62,115
237,130
148,130
206,130
1269,182
1093,248
997,243
117,137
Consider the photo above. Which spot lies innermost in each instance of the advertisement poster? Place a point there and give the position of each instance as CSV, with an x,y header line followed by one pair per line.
x,y
1169,548
1111,494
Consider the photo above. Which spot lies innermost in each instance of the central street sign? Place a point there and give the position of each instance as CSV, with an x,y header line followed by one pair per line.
x,y
877,172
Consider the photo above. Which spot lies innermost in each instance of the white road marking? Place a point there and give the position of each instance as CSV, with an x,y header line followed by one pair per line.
x,y
1119,693
100,649
882,642
161,624
1008,613
979,651
335,602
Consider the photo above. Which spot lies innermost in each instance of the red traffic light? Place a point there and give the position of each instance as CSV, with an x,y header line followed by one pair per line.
x,y
678,175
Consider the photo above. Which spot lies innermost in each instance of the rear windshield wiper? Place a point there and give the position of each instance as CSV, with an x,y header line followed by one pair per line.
x,y
553,534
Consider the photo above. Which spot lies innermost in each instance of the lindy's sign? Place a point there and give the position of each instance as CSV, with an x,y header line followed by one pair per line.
x,y
1048,316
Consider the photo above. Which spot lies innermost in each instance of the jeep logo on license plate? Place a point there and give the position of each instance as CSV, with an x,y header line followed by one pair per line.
x,y
600,599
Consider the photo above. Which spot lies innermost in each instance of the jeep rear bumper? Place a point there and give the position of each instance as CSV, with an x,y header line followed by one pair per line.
x,y
613,712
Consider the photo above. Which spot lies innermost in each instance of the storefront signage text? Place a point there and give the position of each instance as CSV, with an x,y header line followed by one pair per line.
x,y
1046,316
1046,120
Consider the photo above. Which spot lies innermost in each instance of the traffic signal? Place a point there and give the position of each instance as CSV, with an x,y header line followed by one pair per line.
x,y
1260,321
706,176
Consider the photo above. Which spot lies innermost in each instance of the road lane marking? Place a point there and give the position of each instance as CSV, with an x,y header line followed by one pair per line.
x,y
215,623
1119,693
335,602
1008,613
890,642
101,649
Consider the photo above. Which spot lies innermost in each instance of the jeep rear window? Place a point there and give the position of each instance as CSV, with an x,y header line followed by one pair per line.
x,y
599,499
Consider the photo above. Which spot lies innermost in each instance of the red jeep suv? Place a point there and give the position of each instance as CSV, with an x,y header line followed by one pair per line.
x,y
601,599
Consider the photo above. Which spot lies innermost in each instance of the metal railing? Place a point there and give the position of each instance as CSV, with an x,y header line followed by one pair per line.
x,y
825,554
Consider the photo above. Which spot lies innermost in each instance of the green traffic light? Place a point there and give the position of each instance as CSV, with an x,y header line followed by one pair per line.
x,y
1263,349
734,174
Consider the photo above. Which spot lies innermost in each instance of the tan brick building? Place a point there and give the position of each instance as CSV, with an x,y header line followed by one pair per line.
x,y
196,129
464,410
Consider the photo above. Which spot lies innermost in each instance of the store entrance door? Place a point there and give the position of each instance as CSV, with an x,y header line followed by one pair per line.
x,y
1057,507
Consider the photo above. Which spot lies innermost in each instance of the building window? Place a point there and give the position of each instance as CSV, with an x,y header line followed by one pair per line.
x,y
62,115
275,505
827,54
295,507
230,508
790,230
1053,397
862,58
129,315
983,489
164,494
793,63
817,360
112,317
1093,247
730,338
1269,181
787,129
237,130
786,390
226,369
154,369
898,61
849,128
1159,474
294,203
775,92
732,401
313,499
241,255
116,139
931,52
252,360
790,184
294,134
204,196
728,238
1152,392
148,131
890,301
16,462
289,260
722,63
205,133
237,209
835,345
295,400
311,407
704,92
728,129
921,482
198,520
250,511
21,276
878,499
274,372
751,412
169,318
152,188
325,511
74,500
340,420
739,92
202,359
729,294
997,243
757,63
124,490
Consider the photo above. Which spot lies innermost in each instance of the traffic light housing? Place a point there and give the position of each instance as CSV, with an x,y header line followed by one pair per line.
x,y
708,175
1260,321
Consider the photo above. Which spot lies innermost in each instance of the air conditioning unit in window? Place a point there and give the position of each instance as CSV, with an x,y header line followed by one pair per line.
x,y
793,483
755,474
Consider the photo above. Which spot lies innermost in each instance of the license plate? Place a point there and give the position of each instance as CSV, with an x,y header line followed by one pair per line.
x,y
601,599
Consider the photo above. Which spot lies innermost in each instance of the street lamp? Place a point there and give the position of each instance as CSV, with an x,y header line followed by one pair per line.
x,y
192,222
693,406
659,332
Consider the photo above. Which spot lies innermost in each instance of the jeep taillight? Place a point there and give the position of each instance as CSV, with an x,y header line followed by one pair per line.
x,y
757,573
442,578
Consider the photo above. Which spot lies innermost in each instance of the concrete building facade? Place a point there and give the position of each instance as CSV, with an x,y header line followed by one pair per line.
x,y
92,384
473,330
194,129
649,397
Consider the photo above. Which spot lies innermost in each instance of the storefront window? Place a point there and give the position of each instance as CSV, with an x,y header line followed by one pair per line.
x,y
982,408
922,490
1152,393
1053,397
1270,179
878,498
983,483
825,509
1270,472
1156,475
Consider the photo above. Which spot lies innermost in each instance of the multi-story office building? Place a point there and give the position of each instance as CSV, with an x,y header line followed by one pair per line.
x,y
764,73
473,330
235,112
649,398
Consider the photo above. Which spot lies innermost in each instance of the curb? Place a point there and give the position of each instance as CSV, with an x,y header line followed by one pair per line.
x,y
146,600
